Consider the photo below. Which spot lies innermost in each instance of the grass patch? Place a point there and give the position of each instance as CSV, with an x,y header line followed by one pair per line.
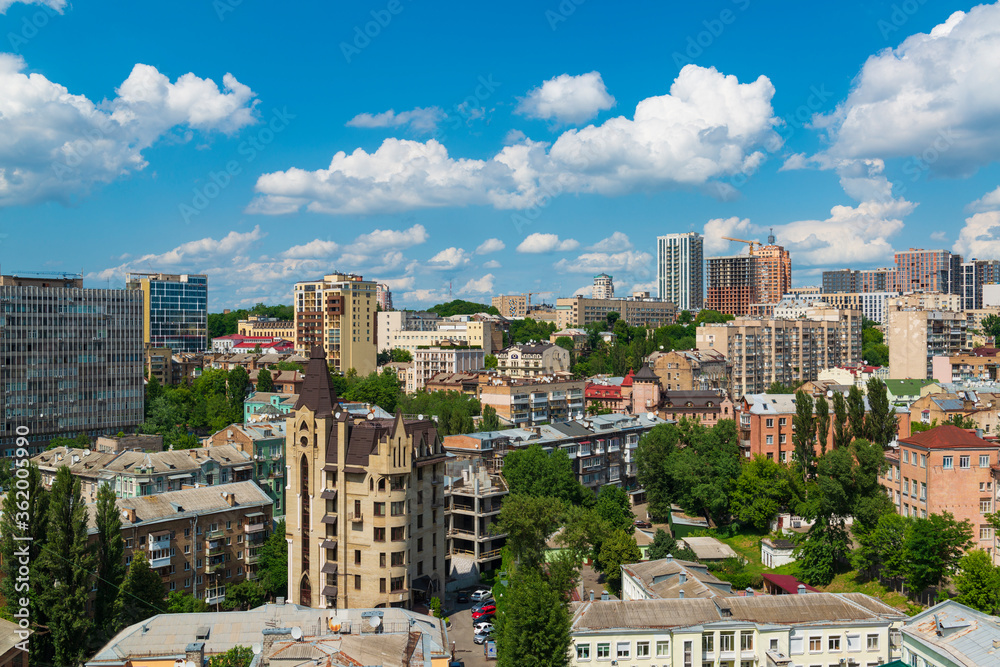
x,y
847,582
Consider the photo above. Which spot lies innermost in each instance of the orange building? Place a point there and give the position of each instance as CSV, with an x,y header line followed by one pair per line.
x,y
775,266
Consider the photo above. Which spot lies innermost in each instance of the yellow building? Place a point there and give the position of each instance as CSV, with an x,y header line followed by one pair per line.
x,y
338,312
256,326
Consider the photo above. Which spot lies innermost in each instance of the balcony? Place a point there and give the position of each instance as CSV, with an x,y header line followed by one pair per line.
x,y
356,518
215,547
214,534
252,558
253,527
215,595
162,561
159,542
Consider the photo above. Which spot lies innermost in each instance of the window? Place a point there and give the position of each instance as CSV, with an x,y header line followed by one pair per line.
x,y
770,423
782,421
663,648
984,460
923,460
782,438
642,649
770,439
906,486
923,490
746,640
985,532
727,641
379,509
398,508
397,558
914,488
906,456
688,651
946,462
985,506
872,642
815,644
774,645
834,644
379,535
708,642
582,650
357,556
623,649
398,533
381,582
357,582
796,645
604,650
853,642
963,461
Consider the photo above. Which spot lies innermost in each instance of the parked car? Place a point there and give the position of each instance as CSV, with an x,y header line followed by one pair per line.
x,y
642,524
481,594
463,596
482,637
482,626
484,611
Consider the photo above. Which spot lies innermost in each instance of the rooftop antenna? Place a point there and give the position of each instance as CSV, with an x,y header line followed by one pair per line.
x,y
770,236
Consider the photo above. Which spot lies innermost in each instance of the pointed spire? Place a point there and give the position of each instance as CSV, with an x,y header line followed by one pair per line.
x,y
317,392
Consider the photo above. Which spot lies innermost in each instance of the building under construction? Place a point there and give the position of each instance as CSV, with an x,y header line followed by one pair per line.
x,y
733,284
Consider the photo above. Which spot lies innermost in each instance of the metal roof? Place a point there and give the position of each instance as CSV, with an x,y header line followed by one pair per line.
x,y
962,633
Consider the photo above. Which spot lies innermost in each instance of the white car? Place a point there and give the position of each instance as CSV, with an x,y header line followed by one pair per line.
x,y
480,595
482,627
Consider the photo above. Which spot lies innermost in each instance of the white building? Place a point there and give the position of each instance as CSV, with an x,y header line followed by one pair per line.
x,y
445,357
680,269
604,287
408,331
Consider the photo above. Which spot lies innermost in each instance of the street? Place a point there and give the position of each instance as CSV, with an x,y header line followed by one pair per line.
x,y
460,633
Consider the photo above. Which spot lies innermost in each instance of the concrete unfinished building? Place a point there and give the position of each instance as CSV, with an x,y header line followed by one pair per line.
x,y
733,284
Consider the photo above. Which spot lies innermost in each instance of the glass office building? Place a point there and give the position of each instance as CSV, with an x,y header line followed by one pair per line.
x,y
175,313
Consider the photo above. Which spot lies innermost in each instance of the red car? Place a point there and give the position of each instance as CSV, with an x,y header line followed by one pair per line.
x,y
485,610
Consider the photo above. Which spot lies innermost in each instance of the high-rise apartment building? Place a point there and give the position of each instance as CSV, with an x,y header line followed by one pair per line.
x,y
975,274
604,287
841,281
775,266
791,351
879,280
733,284
680,261
175,310
511,305
384,296
915,337
637,310
919,270
338,313
70,360
365,519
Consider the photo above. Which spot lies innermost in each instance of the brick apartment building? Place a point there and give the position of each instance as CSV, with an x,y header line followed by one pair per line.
x,y
199,540
688,370
338,312
945,469
529,401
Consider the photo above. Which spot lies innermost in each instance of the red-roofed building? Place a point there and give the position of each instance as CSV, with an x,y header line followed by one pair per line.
x,y
785,584
945,469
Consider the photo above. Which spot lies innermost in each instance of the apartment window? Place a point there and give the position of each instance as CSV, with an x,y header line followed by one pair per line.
x,y
946,462
746,640
782,438
187,548
963,461
708,642
582,651
906,486
662,648
187,532
397,558
727,642
398,508
128,542
923,490
815,644
914,488
379,509
923,460
187,582
187,565
622,649
173,586
688,651
782,421
906,456
378,534
381,559
834,643
381,583
420,544
604,650
984,460
420,521
770,423
357,582
229,525
985,506
770,439
872,642
642,649
357,556
985,532
774,645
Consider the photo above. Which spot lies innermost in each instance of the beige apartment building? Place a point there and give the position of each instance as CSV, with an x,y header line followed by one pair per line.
x,y
532,360
511,305
530,401
397,331
687,370
338,313
925,301
762,351
444,356
199,541
365,518
915,337
638,310
255,326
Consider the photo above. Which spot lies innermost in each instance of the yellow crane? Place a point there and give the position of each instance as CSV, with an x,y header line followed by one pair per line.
x,y
527,305
749,243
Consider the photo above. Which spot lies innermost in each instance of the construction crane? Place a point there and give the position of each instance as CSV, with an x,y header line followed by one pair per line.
x,y
527,304
750,243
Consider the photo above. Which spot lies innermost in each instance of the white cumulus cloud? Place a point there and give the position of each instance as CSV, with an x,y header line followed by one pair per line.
x,y
490,245
710,126
55,145
615,242
980,237
540,243
988,202
315,248
629,262
929,99
57,5
567,99
448,259
492,264
482,285
423,120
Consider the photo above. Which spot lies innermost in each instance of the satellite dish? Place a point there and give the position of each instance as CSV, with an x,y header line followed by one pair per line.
x,y
374,621
336,415
370,416
829,393
420,417
650,416
256,648
296,633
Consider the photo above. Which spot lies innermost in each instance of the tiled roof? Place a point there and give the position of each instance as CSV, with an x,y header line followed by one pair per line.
x,y
186,503
317,390
947,436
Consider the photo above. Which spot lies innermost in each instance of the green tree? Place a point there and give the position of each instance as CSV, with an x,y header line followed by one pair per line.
x,y
619,549
763,488
237,656
978,582
706,316
880,423
685,317
534,628
491,361
961,421
265,383
882,550
238,385
110,553
804,434
611,318
780,388
401,356
841,430
582,532
490,420
528,521
565,342
534,472
934,546
272,567
62,579
651,455
244,596
563,573
614,508
460,307
153,391
141,594
182,602
991,326
663,545
822,423
856,412
818,555
81,441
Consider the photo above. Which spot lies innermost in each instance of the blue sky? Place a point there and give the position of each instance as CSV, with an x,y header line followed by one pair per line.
x,y
489,148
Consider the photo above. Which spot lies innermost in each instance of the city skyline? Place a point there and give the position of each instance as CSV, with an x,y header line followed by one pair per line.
x,y
496,175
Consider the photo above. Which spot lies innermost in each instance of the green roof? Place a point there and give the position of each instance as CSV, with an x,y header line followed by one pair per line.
x,y
907,387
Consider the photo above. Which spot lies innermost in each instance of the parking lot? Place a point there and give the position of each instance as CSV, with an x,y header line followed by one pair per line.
x,y
460,633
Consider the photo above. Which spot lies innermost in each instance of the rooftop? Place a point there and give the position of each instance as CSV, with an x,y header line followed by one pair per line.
x,y
948,436
906,387
709,548
967,636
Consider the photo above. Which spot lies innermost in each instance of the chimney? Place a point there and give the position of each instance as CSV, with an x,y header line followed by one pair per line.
x,y
591,594
749,592
230,498
195,653
129,514
605,596
684,578
670,558
802,589
680,595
